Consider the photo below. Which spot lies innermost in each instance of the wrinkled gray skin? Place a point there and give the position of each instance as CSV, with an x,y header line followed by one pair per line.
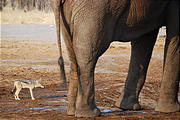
x,y
89,26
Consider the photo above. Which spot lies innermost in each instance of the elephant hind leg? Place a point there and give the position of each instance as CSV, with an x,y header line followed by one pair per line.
x,y
141,52
87,49
85,104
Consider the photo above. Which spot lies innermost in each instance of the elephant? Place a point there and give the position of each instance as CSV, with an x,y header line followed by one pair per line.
x,y
89,26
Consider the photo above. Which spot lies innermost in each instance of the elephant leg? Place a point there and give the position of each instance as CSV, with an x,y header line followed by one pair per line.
x,y
86,50
168,99
141,51
91,37
85,104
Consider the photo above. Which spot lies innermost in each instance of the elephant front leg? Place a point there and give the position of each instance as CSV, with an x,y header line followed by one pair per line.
x,y
168,100
141,52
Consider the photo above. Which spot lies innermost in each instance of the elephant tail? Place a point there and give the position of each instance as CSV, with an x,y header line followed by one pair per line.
x,y
56,6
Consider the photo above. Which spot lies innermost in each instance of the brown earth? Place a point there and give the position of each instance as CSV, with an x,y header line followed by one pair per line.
x,y
32,60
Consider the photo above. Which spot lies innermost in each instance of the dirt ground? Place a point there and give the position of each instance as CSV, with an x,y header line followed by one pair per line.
x,y
32,60
9,16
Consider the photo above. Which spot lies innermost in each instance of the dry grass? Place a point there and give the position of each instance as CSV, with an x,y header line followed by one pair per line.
x,y
9,16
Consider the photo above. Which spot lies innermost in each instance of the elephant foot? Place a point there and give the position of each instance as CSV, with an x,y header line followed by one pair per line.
x,y
167,107
129,103
71,111
87,112
130,106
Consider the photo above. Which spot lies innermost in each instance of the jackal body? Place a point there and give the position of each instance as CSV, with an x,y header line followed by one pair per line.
x,y
31,84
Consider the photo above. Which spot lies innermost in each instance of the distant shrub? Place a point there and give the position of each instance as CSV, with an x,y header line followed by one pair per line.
x,y
27,5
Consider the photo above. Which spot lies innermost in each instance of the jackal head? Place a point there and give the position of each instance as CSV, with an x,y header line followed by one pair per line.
x,y
37,84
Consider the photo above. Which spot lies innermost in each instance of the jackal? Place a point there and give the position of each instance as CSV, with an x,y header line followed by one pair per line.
x,y
18,85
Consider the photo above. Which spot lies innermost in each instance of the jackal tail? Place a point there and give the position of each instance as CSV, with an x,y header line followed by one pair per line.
x,y
13,91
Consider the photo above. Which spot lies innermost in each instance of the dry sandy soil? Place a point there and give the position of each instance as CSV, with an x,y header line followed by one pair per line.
x,y
32,60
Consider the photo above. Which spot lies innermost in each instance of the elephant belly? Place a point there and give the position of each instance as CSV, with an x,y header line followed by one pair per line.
x,y
130,28
126,34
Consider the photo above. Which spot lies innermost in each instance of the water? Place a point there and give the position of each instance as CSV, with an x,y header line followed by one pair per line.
x,y
45,32
61,108
39,108
147,111
107,110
